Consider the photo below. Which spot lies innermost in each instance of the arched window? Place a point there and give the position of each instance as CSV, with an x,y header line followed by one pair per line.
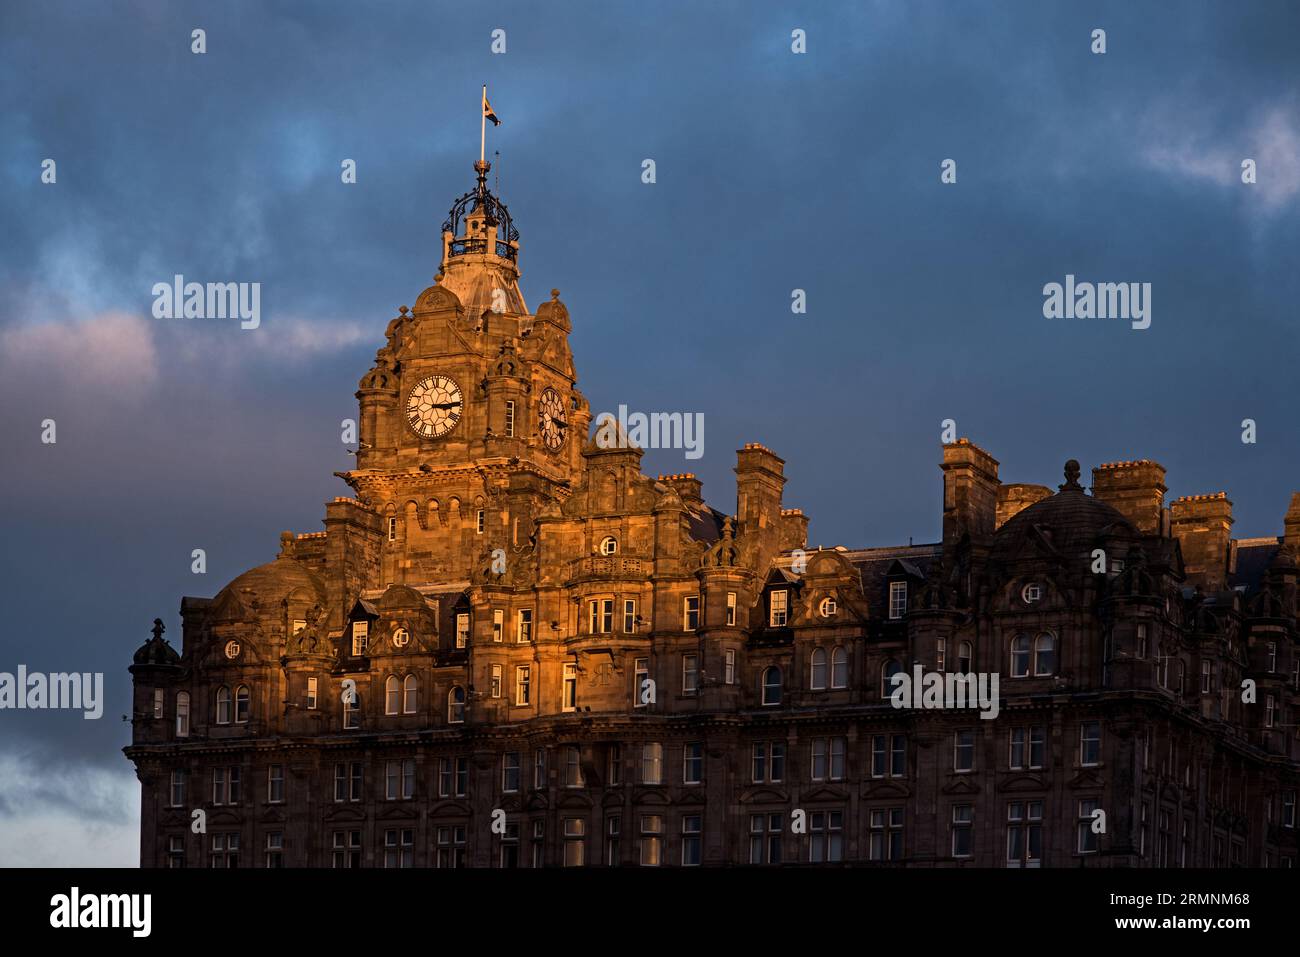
x,y
182,714
839,667
456,705
1019,656
223,705
818,680
241,704
409,685
887,672
1045,654
392,694
964,658
772,685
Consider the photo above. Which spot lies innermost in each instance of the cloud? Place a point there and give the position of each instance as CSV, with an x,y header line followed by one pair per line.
x,y
1201,151
114,354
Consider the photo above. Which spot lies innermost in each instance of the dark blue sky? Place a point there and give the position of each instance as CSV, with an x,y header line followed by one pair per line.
x,y
775,171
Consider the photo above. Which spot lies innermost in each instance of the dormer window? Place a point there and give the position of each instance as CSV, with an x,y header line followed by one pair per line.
x,y
778,608
897,599
360,638
1031,593
608,545
462,630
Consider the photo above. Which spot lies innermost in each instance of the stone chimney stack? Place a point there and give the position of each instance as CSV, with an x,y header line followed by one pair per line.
x,y
1203,526
1136,489
1017,497
760,477
689,489
1291,524
970,491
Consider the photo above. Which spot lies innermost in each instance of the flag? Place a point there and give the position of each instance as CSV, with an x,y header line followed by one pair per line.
x,y
487,110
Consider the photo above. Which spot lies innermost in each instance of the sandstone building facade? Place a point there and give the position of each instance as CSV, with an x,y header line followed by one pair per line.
x,y
510,648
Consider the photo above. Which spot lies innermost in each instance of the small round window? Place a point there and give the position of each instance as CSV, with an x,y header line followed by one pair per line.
x,y
1031,593
401,638
827,607
608,545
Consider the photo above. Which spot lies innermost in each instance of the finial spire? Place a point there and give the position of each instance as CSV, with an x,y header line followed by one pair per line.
x,y
1071,476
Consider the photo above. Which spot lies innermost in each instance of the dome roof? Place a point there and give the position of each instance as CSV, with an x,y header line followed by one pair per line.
x,y
271,583
1074,518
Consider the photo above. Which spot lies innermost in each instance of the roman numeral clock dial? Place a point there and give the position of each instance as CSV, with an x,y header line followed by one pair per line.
x,y
550,419
433,406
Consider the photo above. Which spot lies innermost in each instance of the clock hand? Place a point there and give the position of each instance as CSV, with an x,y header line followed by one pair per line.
x,y
445,405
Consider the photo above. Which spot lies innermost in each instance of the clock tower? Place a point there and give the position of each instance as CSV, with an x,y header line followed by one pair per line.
x,y
471,420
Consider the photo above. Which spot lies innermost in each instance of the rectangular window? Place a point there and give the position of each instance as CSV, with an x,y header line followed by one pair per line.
x,y
355,781
178,789
575,842
399,847
1036,746
731,608
453,777
539,844
1141,641
360,637
478,522
691,840
1087,843
158,704
963,751
898,756
392,780
765,838
351,713
897,599
275,784
569,701
940,654
690,674
392,529
311,693
963,829
218,785
175,852
275,849
496,681
1016,760
346,847
691,613
729,666
539,768
225,850
614,765
1272,657
450,841
462,630
602,615
613,832
825,837
1288,809
1206,687
510,772
778,608
573,767
652,763
524,626
629,616
886,834
1025,834
523,681
498,624
693,763
652,840
510,418
640,677
510,846
768,762
1090,743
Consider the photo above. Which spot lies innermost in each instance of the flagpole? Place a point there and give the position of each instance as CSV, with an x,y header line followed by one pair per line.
x,y
482,134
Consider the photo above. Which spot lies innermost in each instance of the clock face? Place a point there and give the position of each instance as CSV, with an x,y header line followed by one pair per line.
x,y
550,419
433,407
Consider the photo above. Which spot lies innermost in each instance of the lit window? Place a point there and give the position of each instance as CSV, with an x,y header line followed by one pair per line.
x,y
778,608
575,842
570,699
652,763
652,841
897,599
608,545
